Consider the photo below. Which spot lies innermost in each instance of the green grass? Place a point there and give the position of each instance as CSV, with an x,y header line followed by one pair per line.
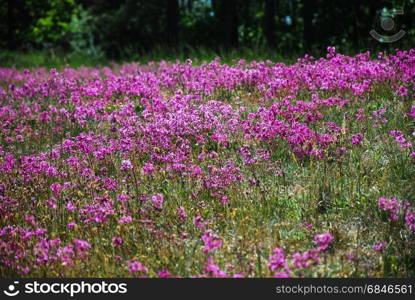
x,y
47,59
58,60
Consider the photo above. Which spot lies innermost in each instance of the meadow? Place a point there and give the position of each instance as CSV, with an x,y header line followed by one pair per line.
x,y
236,169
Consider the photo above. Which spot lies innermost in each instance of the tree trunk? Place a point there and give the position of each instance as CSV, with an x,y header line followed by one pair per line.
x,y
269,23
189,5
10,25
226,13
307,13
172,21
356,26
231,24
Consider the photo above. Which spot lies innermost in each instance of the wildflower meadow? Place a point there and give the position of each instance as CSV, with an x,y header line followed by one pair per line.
x,y
210,169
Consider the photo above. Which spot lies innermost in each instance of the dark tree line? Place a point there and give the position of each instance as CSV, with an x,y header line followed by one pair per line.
x,y
120,27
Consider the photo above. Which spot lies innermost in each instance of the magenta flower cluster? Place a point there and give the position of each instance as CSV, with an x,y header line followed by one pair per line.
x,y
398,209
290,266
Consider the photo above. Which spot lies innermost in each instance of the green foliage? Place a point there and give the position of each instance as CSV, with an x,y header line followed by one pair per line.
x,y
121,29
51,28
81,33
